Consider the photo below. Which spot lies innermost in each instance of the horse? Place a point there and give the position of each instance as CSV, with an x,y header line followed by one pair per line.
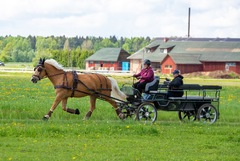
x,y
72,84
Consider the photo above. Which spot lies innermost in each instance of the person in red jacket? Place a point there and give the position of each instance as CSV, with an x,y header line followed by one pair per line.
x,y
145,76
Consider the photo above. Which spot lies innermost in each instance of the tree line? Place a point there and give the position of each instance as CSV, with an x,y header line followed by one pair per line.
x,y
69,51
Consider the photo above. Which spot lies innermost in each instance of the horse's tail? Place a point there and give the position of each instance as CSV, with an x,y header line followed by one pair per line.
x,y
116,92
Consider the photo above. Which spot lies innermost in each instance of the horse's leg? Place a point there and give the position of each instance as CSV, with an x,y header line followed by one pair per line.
x,y
69,110
54,105
118,111
92,106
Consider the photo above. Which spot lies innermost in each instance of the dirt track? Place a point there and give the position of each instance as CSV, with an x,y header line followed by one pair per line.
x,y
213,74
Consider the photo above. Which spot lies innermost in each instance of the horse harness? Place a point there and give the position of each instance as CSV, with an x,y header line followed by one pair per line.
x,y
76,81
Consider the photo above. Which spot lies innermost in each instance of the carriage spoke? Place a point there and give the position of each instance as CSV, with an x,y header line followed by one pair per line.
x,y
207,113
187,116
147,113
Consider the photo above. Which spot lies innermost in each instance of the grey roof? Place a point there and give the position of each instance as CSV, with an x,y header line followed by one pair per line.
x,y
182,58
137,55
166,45
202,47
105,54
220,57
194,51
199,39
154,43
155,56
195,58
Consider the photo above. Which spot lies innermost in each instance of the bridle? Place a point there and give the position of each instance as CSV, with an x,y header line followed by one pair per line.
x,y
40,68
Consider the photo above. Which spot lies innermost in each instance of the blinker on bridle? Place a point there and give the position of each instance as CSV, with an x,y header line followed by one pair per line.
x,y
39,69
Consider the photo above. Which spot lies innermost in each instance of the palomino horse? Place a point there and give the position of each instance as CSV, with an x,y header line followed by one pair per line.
x,y
70,84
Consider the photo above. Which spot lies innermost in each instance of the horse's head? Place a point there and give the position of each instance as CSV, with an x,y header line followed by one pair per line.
x,y
39,71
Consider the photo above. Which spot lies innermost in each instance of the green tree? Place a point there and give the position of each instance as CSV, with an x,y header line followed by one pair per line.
x,y
6,53
107,43
70,51
127,45
84,54
22,51
32,40
87,44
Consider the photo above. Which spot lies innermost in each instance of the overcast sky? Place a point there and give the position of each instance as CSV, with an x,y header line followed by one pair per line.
x,y
122,18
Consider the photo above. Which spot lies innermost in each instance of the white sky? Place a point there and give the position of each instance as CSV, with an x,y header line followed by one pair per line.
x,y
122,18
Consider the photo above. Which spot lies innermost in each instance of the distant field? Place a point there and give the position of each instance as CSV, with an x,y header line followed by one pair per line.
x,y
18,65
24,136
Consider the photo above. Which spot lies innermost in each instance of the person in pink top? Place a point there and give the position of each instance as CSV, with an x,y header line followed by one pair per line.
x,y
145,76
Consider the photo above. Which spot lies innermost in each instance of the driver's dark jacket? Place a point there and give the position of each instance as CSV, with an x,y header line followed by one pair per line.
x,y
175,87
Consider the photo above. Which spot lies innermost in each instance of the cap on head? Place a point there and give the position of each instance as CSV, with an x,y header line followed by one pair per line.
x,y
176,71
147,62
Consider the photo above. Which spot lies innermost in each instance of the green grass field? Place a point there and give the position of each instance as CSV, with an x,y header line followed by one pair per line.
x,y
24,136
17,65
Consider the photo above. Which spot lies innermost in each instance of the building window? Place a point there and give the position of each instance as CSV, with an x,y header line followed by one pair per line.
x,y
168,66
231,64
165,51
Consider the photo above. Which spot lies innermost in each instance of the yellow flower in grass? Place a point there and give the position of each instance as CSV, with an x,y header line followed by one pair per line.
x,y
73,158
14,124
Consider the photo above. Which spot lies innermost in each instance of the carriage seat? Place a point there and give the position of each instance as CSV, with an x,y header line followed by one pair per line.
x,y
192,98
152,86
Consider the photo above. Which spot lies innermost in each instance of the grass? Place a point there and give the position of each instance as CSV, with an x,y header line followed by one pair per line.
x,y
18,65
24,136
106,140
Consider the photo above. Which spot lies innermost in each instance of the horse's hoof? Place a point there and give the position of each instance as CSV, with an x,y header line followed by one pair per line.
x,y
45,118
77,112
121,116
86,118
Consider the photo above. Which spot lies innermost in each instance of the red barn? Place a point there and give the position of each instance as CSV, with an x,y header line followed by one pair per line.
x,y
108,59
184,62
188,63
192,54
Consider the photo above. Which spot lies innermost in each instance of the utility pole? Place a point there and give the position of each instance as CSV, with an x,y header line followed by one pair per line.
x,y
189,13
144,52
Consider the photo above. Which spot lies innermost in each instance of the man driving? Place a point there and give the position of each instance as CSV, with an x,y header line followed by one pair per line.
x,y
174,87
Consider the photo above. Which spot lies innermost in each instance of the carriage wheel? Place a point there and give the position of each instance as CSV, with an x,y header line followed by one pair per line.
x,y
207,113
129,113
147,113
187,116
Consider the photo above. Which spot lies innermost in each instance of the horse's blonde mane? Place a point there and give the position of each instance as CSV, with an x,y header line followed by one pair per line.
x,y
54,63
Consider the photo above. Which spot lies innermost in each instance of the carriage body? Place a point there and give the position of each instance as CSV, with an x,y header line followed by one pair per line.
x,y
198,103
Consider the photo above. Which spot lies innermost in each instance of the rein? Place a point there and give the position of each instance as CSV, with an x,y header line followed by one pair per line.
x,y
47,75
55,74
76,81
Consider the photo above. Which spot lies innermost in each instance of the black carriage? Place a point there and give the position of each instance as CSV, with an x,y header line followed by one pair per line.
x,y
199,102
